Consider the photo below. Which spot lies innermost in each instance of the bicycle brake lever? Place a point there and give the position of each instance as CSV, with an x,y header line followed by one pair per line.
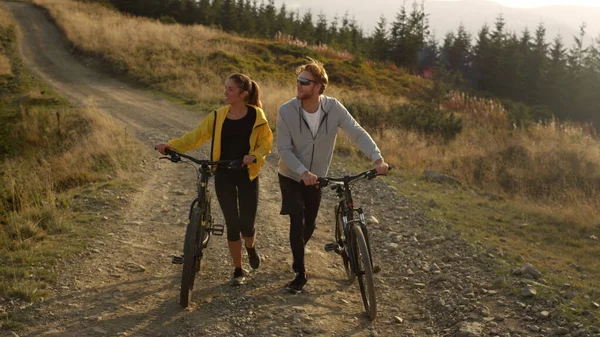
x,y
173,159
322,182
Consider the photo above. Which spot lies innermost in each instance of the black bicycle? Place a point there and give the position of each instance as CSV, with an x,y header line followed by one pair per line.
x,y
200,225
352,237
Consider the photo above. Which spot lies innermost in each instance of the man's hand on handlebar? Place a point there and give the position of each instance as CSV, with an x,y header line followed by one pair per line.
x,y
161,148
309,178
381,166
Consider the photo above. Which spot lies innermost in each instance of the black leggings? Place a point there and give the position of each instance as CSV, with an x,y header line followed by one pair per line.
x,y
301,203
232,187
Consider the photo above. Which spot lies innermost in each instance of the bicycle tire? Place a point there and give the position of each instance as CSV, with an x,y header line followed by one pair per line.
x,y
365,272
340,240
191,264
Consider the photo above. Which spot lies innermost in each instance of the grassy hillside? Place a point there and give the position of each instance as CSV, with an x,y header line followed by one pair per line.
x,y
50,153
531,189
191,62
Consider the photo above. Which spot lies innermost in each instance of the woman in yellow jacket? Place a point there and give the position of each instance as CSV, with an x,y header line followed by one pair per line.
x,y
241,130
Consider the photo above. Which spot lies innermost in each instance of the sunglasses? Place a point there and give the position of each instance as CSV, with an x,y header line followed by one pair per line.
x,y
305,81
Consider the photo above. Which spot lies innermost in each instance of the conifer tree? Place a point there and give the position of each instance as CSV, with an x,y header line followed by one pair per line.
x,y
380,43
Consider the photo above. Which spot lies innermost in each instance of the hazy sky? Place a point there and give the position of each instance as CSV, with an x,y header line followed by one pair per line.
x,y
538,3
445,16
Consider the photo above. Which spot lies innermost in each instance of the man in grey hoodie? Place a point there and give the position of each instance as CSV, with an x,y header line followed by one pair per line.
x,y
307,127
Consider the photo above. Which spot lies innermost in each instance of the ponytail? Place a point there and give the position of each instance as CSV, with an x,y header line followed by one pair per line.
x,y
254,94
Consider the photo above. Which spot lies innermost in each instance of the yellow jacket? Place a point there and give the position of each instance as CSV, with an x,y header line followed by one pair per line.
x,y
261,138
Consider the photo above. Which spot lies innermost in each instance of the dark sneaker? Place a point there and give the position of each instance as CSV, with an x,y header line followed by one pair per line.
x,y
297,284
238,277
253,257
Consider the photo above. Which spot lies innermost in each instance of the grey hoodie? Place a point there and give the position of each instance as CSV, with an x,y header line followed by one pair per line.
x,y
300,151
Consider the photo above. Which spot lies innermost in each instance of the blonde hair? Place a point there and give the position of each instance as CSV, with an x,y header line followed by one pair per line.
x,y
316,69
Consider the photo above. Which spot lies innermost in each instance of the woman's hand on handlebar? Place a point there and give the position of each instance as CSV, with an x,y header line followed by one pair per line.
x,y
248,159
162,147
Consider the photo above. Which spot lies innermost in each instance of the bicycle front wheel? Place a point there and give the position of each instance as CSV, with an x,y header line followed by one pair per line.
x,y
191,257
364,271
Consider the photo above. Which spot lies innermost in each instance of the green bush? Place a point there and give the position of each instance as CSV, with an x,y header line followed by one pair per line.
x,y
420,117
427,118
288,49
522,115
168,20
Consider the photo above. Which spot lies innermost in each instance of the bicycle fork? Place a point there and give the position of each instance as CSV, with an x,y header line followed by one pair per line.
x,y
338,247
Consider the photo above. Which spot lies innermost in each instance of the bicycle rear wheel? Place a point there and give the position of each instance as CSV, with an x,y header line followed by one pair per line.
x,y
364,271
341,241
191,257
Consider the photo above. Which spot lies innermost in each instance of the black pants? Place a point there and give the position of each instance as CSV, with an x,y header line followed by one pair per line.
x,y
238,198
301,203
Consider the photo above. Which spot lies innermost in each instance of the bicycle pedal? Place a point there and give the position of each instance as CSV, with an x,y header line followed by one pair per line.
x,y
332,247
217,230
177,260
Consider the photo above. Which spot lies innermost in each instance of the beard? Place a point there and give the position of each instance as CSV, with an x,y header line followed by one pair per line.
x,y
305,95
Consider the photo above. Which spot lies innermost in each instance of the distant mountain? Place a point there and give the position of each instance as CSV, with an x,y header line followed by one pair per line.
x,y
473,14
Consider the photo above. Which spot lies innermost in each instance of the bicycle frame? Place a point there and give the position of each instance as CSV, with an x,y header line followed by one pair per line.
x,y
204,174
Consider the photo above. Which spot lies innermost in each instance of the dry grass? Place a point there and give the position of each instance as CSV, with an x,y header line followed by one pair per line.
x,y
5,19
47,149
5,64
185,61
551,167
174,54
35,185
5,67
174,57
90,142
322,49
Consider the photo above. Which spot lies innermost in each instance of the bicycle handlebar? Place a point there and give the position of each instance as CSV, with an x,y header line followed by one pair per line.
x,y
175,157
370,174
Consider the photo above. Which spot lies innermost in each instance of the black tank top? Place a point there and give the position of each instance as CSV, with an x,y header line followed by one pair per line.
x,y
235,136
